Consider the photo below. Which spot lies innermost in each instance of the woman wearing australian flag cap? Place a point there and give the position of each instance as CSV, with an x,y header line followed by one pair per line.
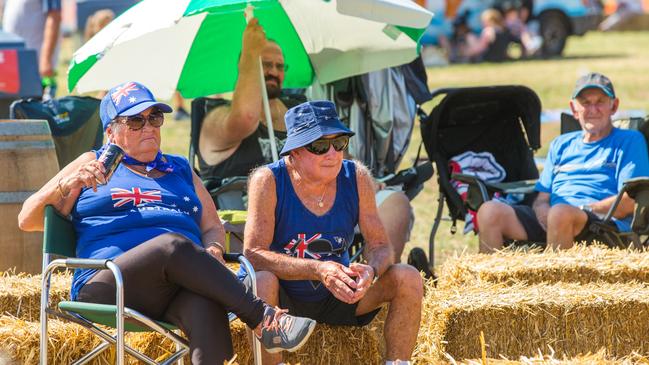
x,y
157,222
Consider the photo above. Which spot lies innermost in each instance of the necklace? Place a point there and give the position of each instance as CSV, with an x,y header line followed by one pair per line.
x,y
320,201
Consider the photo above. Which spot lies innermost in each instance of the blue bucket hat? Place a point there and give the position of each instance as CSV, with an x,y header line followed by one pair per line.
x,y
127,99
310,121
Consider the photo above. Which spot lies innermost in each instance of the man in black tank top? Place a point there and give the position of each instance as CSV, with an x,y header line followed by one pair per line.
x,y
234,136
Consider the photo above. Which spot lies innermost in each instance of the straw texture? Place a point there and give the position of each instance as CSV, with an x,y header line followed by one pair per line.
x,y
519,320
580,264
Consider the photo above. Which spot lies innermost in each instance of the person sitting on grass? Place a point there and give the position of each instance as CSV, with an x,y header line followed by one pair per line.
x,y
583,173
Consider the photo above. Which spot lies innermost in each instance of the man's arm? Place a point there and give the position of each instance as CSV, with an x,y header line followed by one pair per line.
x,y
622,211
377,251
258,236
50,39
227,127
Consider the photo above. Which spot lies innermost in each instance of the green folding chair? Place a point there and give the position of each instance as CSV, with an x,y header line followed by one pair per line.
x,y
59,240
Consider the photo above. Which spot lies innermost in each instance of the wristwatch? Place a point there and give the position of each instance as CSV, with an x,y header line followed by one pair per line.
x,y
586,208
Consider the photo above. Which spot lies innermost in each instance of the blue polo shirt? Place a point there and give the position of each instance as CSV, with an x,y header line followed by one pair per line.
x,y
578,172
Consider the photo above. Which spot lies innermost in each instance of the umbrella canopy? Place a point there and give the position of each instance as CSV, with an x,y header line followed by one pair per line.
x,y
193,46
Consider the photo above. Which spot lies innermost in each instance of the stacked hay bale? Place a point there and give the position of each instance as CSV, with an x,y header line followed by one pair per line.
x,y
20,330
20,294
19,339
574,302
580,264
519,320
599,358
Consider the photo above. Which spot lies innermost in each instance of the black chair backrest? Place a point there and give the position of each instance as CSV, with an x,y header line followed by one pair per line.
x,y
74,122
502,120
570,124
200,108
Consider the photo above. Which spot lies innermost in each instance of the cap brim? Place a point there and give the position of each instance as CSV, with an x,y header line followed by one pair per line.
x,y
593,86
139,108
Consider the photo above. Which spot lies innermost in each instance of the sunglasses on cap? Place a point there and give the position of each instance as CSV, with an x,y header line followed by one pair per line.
x,y
137,122
322,145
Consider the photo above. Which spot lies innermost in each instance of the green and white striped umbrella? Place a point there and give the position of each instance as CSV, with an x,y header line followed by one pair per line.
x,y
194,45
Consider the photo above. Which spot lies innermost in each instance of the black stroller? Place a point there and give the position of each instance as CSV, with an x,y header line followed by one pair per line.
x,y
501,120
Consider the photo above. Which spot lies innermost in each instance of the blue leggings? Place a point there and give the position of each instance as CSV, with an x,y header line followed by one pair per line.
x,y
171,279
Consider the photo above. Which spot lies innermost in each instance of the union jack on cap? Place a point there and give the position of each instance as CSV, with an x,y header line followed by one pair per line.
x,y
129,98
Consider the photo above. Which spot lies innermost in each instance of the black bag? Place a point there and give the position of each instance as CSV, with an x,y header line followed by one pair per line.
x,y
74,122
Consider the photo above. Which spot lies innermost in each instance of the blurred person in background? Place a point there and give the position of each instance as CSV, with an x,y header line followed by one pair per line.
x,y
96,22
491,45
38,22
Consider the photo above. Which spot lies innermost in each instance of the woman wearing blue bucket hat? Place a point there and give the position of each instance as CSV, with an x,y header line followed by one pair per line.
x,y
302,211
154,218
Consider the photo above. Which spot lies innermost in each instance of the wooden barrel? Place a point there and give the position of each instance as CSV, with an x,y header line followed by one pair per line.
x,y
27,162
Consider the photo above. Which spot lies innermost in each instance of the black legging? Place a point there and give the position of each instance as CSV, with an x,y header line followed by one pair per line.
x,y
171,279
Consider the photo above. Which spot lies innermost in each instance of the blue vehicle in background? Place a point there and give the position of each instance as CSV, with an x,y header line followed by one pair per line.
x,y
556,20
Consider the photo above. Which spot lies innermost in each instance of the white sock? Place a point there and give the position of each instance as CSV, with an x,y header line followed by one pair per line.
x,y
397,362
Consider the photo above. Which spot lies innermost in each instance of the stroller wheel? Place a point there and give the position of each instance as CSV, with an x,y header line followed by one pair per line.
x,y
417,258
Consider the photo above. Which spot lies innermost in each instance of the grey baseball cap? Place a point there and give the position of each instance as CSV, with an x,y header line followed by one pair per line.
x,y
594,80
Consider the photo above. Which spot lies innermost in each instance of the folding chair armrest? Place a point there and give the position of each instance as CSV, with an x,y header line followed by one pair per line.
x,y
474,182
98,264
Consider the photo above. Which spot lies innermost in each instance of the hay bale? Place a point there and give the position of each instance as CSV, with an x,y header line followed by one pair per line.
x,y
580,264
327,344
599,358
20,294
19,339
518,320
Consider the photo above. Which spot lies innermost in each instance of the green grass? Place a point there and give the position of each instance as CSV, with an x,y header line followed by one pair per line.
x,y
624,57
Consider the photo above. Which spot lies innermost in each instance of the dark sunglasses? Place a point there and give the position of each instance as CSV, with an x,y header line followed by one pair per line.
x,y
322,145
137,122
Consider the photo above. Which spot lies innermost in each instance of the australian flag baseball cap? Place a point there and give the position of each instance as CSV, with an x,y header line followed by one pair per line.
x,y
127,99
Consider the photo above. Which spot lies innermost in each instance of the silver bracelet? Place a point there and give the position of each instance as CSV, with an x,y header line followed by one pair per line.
x,y
214,243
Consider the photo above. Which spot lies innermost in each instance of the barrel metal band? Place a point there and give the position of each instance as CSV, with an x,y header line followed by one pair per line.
x,y
9,197
23,145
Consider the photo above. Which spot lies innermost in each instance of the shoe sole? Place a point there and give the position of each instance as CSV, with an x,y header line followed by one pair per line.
x,y
275,350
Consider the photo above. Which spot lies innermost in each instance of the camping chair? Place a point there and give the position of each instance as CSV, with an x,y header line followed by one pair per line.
x,y
59,239
74,122
501,120
636,188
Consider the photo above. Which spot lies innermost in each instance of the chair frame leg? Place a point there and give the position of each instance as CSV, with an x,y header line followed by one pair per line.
x,y
118,339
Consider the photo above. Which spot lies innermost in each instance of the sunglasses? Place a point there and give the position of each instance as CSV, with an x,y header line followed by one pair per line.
x,y
322,145
137,122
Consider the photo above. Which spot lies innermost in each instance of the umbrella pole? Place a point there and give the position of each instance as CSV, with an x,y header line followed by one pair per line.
x,y
269,119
